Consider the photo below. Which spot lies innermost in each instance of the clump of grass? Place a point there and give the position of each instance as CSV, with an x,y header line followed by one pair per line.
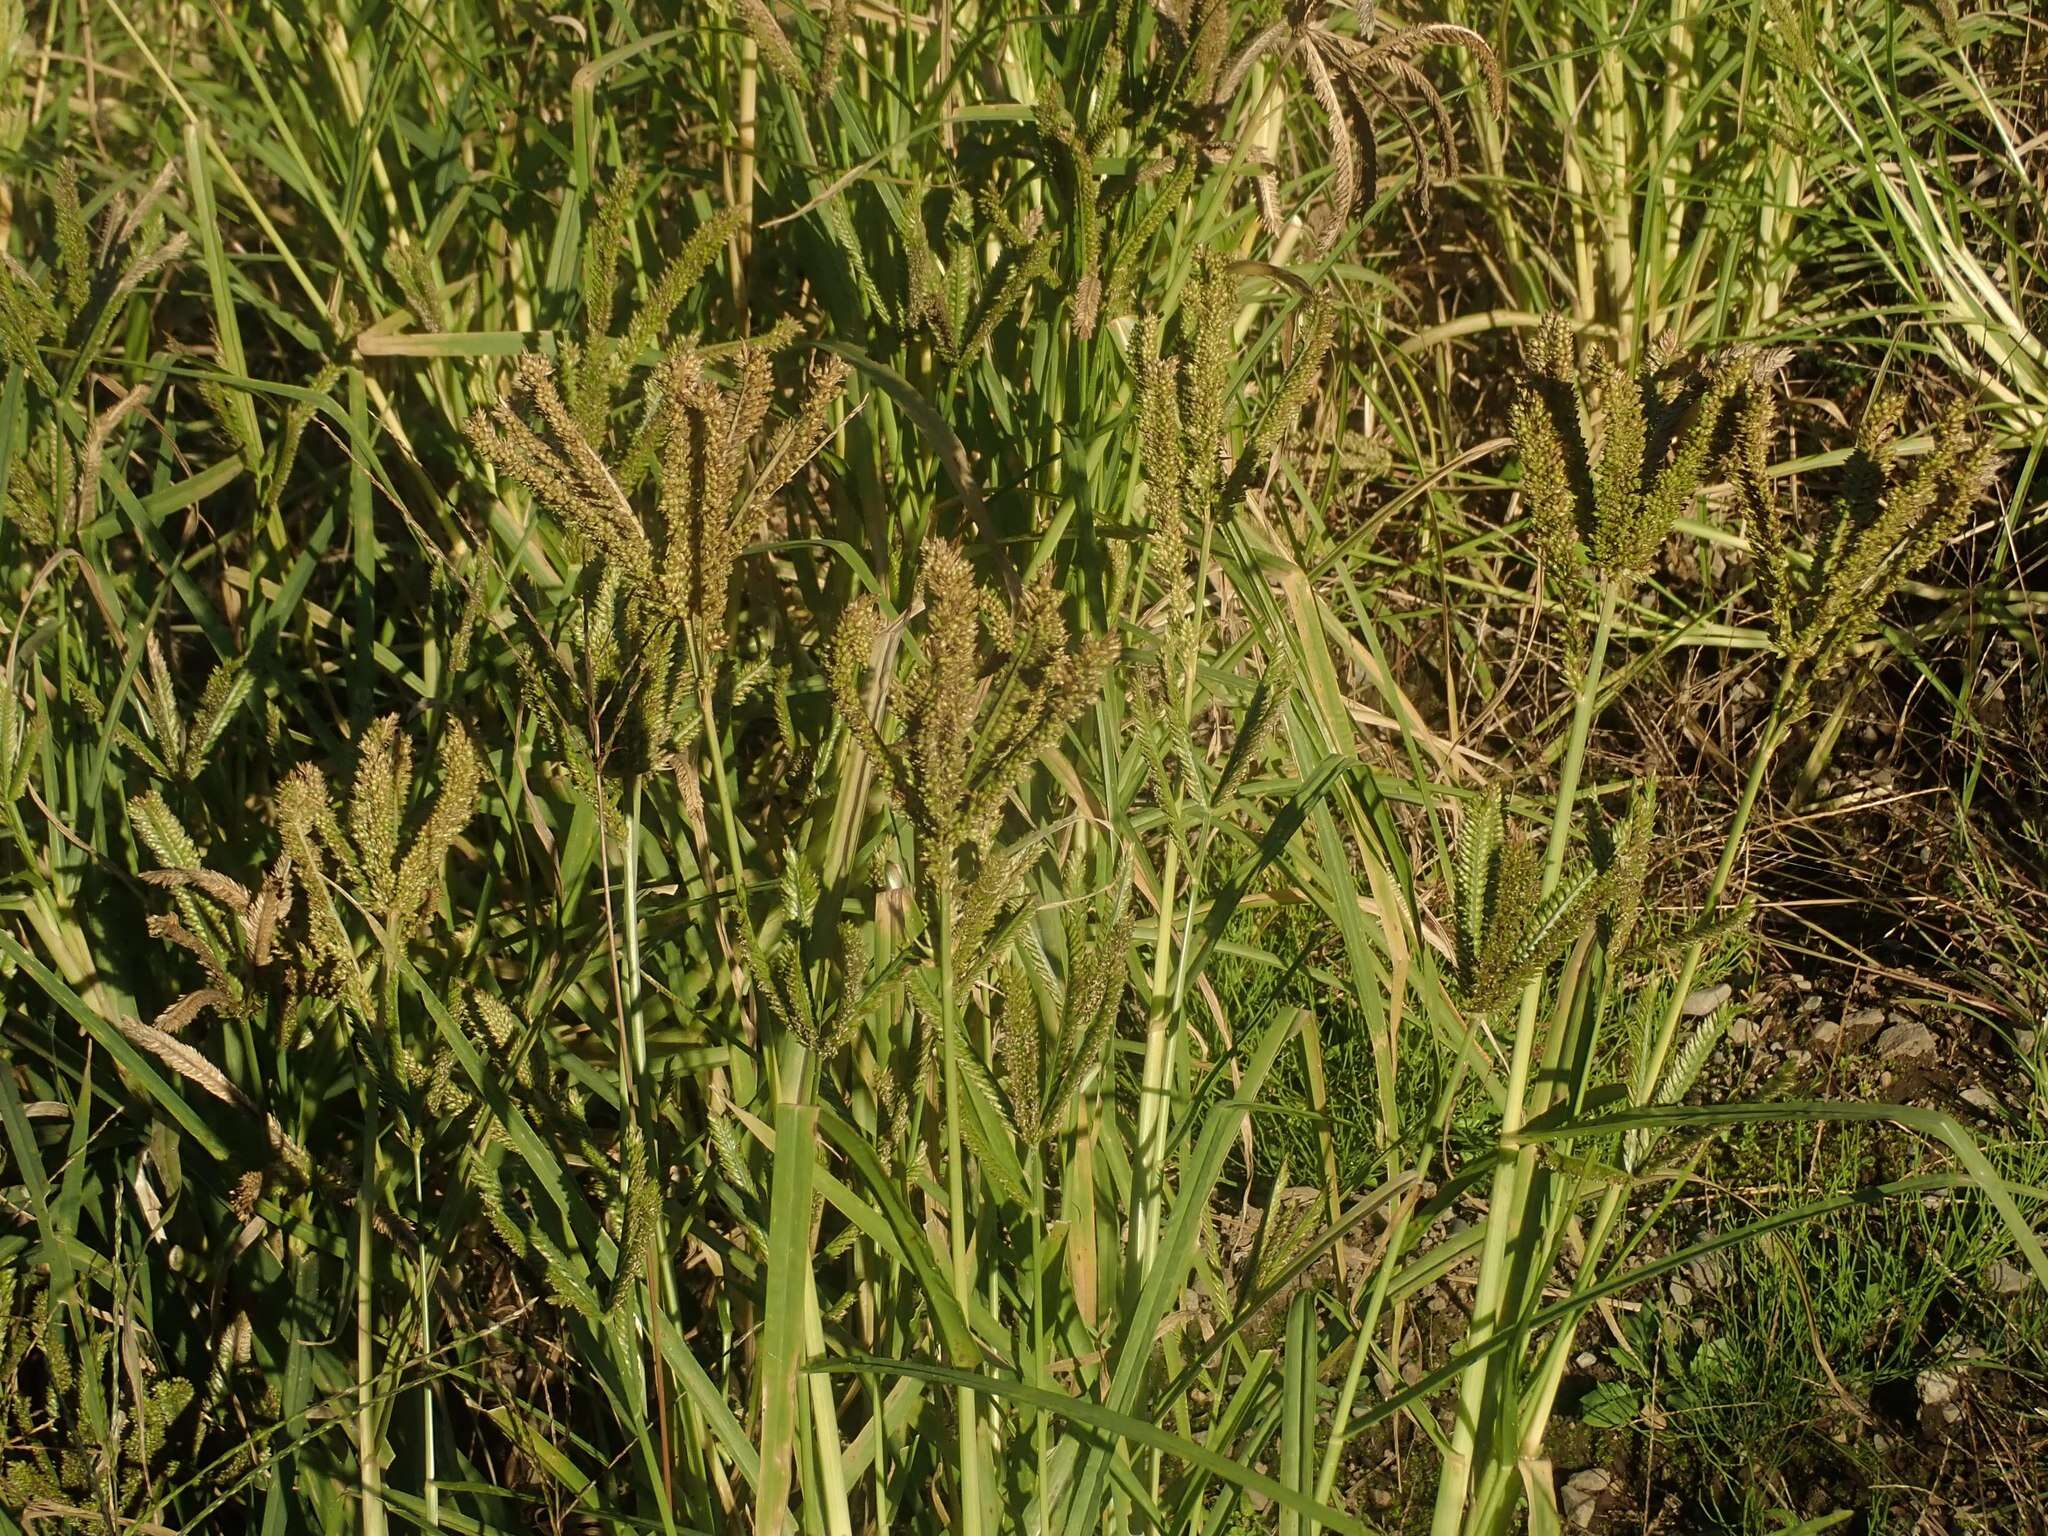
x,y
682,889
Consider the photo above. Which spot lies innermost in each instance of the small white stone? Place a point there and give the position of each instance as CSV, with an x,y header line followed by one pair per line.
x,y
1826,1033
1698,1004
1709,1271
1937,1387
1980,1098
2024,1042
1864,1018
1581,1495
2006,1278
1907,1040
1744,1031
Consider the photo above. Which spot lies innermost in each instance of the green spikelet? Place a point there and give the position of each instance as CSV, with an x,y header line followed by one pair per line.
x,y
1020,271
1255,733
983,1119
1626,866
990,907
74,241
376,806
37,484
717,482
776,50
1690,1059
90,283
234,424
1618,477
1749,468
1210,302
1727,924
1186,407
412,268
778,977
21,738
490,1195
838,26
564,1283
1098,940
1016,1029
27,316
555,459
226,689
963,240
1162,448
1697,409
1477,855
161,832
725,1147
1167,454
84,508
446,1099
161,715
603,244
419,873
1066,150
927,301
600,363
1304,369
311,835
1128,258
285,447
662,569
503,1032
1516,877
641,1199
650,321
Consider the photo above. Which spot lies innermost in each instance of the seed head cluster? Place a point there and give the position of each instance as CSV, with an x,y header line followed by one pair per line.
x,y
1507,931
1884,522
991,688
1607,499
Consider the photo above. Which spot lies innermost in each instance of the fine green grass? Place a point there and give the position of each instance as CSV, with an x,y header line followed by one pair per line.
x,y
835,768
